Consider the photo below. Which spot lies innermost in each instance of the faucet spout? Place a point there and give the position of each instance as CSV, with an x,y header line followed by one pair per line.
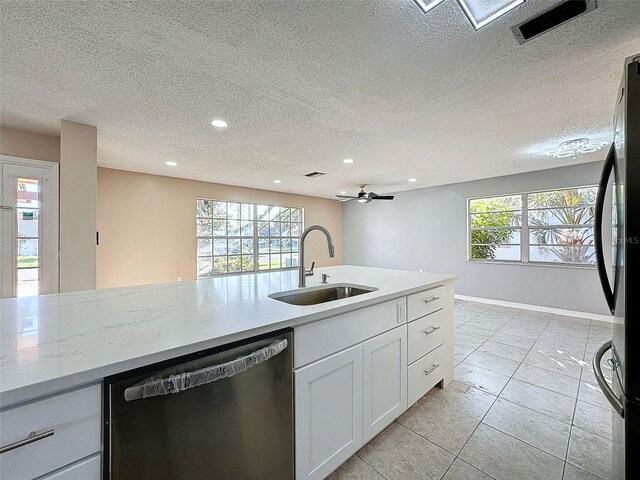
x,y
302,272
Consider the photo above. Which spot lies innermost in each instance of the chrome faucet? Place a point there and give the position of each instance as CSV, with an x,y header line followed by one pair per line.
x,y
302,272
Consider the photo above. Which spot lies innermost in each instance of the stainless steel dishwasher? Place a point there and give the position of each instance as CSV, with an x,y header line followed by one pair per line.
x,y
217,414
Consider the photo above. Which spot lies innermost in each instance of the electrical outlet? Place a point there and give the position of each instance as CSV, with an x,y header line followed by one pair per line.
x,y
402,311
179,279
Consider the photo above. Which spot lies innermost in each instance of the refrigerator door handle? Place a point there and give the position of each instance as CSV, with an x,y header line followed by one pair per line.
x,y
615,402
602,190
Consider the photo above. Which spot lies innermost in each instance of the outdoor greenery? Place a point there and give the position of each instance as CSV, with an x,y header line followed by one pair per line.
x,y
564,227
240,237
27,261
491,213
560,226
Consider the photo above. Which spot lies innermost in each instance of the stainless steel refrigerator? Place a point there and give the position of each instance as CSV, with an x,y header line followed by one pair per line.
x,y
618,265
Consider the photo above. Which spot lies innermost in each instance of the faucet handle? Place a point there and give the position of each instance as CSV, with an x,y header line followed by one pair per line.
x,y
309,273
324,278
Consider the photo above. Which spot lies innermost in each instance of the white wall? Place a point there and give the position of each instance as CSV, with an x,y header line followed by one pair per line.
x,y
427,229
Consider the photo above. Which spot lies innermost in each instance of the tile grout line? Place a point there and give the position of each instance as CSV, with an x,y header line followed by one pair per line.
x,y
498,396
511,318
485,414
367,463
575,406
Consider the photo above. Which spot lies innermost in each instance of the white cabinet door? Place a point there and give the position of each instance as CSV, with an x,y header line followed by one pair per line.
x,y
328,413
385,380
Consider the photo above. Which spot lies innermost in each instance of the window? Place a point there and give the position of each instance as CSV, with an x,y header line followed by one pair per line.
x,y
242,237
553,226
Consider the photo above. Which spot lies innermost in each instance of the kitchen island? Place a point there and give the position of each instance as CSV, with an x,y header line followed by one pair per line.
x,y
55,344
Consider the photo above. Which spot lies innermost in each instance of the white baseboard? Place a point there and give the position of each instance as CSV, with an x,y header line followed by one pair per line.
x,y
539,308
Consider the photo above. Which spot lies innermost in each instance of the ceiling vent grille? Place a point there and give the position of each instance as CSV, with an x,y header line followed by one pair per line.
x,y
552,18
314,174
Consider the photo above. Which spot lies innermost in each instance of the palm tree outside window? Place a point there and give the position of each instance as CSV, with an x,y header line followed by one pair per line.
x,y
552,227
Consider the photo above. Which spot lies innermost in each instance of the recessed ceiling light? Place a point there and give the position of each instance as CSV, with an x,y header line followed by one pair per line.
x,y
219,123
427,5
171,164
413,180
481,12
347,160
277,181
343,193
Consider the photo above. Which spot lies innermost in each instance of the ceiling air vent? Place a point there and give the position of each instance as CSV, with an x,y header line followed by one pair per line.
x,y
552,18
314,174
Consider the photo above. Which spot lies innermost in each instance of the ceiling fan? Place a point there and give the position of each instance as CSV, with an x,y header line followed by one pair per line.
x,y
364,197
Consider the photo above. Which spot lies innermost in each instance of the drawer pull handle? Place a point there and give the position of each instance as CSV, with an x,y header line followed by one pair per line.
x,y
432,299
31,438
427,372
429,331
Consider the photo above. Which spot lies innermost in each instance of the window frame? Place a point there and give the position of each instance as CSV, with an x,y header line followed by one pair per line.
x,y
525,243
255,237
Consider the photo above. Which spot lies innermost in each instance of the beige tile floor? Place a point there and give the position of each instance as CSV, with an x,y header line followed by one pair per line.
x,y
524,405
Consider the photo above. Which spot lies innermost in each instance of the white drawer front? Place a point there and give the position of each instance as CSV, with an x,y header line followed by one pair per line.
x,y
319,339
427,333
424,303
424,374
75,418
87,469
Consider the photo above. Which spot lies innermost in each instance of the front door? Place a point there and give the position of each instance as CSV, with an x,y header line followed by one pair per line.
x,y
28,227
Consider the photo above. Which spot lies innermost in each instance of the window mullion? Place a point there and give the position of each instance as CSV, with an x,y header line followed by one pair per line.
x,y
256,247
524,230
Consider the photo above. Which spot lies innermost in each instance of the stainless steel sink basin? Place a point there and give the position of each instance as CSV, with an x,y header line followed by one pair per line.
x,y
321,294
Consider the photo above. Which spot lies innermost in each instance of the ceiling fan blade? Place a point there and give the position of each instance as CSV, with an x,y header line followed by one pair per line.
x,y
346,197
383,197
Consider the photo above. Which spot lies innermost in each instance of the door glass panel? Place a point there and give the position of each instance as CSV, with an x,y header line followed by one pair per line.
x,y
28,237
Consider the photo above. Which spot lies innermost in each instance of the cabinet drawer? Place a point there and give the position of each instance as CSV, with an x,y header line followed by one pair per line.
x,y
87,469
75,419
424,374
424,303
427,333
319,339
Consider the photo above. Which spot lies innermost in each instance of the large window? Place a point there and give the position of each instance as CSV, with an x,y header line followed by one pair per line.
x,y
553,227
242,237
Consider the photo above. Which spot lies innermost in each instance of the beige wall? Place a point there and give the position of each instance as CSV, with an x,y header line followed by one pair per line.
x,y
78,186
20,143
147,225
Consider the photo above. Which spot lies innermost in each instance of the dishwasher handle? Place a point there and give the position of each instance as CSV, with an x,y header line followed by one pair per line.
x,y
185,381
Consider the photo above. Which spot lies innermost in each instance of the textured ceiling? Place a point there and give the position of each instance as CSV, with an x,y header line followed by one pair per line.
x,y
305,84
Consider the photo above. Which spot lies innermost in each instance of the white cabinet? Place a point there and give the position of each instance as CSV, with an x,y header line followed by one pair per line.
x,y
428,333
385,380
67,428
87,469
425,373
328,413
430,339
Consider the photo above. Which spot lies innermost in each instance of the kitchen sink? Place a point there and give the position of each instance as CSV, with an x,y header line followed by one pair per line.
x,y
321,294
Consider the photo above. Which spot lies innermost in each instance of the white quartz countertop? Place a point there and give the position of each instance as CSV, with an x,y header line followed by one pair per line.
x,y
55,342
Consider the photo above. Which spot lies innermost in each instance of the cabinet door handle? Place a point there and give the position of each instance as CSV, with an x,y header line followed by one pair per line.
x,y
427,372
429,331
432,299
31,438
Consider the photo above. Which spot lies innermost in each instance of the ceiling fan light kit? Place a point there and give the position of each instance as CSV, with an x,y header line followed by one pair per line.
x,y
364,197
